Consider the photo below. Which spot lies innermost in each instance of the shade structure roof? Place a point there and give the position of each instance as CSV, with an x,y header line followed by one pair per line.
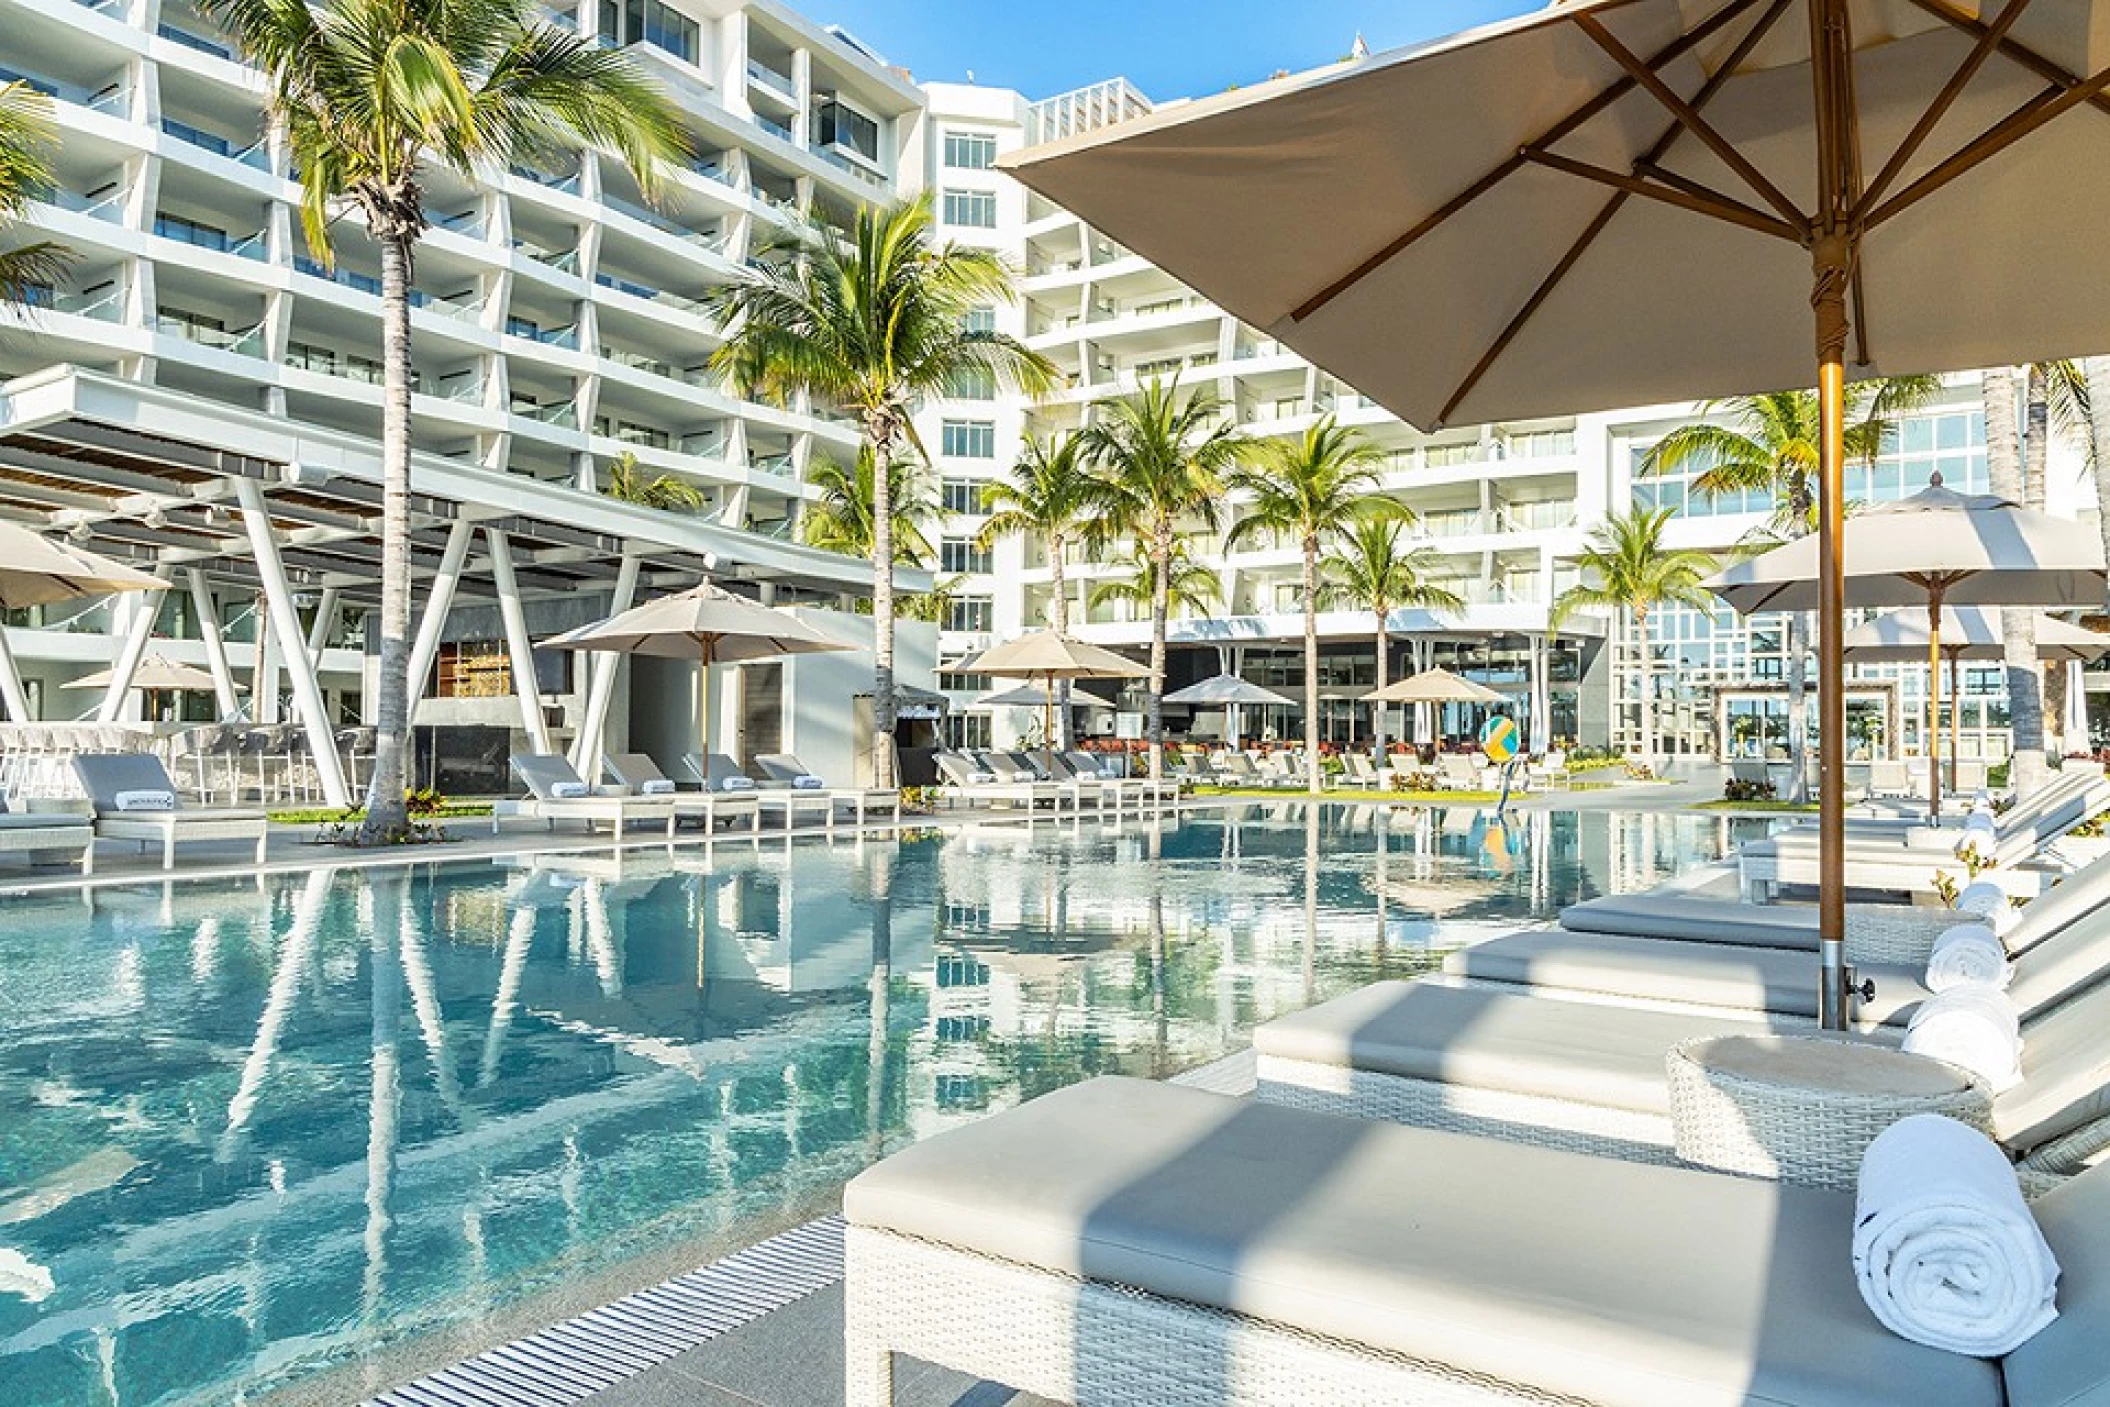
x,y
1227,689
1045,654
36,571
705,622
154,672
1435,686
1038,696
1967,632
1975,548
1505,223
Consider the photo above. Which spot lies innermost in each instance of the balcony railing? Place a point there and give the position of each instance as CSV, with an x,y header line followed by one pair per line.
x,y
769,78
314,268
712,240
568,185
1534,517
255,155
467,223
772,126
103,305
464,386
566,262
862,173
637,361
249,342
563,414
709,444
470,312
1460,524
108,206
654,295
771,463
256,246
566,337
195,41
328,363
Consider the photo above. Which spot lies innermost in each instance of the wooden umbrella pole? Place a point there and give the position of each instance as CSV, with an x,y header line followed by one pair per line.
x,y
1934,595
1955,718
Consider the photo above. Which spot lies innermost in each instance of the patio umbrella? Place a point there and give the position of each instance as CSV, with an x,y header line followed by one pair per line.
x,y
35,571
1937,548
154,672
1048,655
707,624
1434,686
1039,696
1232,694
1965,633
1618,202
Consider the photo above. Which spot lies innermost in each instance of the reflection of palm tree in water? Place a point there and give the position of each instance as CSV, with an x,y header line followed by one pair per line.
x,y
385,983
1311,904
1159,1057
880,865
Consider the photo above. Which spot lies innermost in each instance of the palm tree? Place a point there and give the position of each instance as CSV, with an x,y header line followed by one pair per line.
x,y
1048,497
368,93
1770,444
1628,567
841,520
1309,490
1163,460
627,481
26,141
1191,587
874,324
1368,568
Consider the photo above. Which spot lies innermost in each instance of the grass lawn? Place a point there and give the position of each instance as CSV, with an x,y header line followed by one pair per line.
x,y
1422,798
1796,807
323,815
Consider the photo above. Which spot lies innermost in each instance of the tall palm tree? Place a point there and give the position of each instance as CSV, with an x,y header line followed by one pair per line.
x,y
1190,587
1627,567
27,138
1770,444
1368,568
841,520
369,93
627,481
1306,491
1164,460
1048,497
874,324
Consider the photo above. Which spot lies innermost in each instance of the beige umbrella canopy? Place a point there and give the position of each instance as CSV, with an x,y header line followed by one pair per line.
x,y
1967,633
1616,202
154,672
1048,655
1435,686
1936,548
707,624
1038,696
35,571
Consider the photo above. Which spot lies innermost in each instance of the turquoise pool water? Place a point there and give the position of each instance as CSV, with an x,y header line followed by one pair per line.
x,y
249,1134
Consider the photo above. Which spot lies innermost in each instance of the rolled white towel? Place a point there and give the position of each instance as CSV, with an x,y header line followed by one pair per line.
x,y
808,783
1945,1252
1979,845
736,784
1969,952
1974,1026
145,801
657,786
569,791
1987,903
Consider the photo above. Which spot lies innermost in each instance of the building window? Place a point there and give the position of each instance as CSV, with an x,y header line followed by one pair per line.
x,y
473,669
971,383
839,125
976,613
960,554
967,439
959,970
649,22
970,151
970,730
954,682
979,320
973,209
964,496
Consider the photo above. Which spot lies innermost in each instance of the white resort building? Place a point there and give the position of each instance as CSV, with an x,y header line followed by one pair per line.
x,y
199,396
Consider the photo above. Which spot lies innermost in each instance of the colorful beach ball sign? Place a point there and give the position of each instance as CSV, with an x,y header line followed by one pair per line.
x,y
1498,738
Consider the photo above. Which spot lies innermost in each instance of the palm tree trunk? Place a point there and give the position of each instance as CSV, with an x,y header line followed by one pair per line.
x,y
1648,701
882,435
1311,665
386,815
1061,622
1798,724
1160,608
1377,711
2007,476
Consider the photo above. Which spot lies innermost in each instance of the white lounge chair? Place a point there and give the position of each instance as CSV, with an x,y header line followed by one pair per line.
x,y
641,776
135,799
783,769
557,793
1127,1241
45,838
968,779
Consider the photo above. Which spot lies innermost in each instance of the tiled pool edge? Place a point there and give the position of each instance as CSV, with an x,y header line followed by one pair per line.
x,y
569,1362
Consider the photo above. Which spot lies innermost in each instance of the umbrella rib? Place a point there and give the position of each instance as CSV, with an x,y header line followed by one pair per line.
x,y
1989,40
2020,123
2012,49
1719,206
1509,167
1689,117
1612,207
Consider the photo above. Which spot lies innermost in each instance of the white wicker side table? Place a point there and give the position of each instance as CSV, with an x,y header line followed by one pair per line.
x,y
1803,1109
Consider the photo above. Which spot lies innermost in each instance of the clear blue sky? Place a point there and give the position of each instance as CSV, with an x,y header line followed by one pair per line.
x,y
1168,48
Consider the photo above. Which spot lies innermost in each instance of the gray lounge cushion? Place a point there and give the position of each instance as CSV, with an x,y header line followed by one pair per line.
x,y
2065,1072
1659,969
41,821
104,775
1689,916
1607,1280
2067,1364
1582,1052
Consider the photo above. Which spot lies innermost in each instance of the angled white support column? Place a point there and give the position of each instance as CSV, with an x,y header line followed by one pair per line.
x,y
518,646
11,691
600,690
285,627
438,602
144,610
208,613
263,675
319,628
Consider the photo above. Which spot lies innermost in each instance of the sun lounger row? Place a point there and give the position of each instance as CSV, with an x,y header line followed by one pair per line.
x,y
641,793
1058,781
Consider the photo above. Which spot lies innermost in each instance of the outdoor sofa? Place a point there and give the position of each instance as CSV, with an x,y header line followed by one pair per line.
x,y
557,793
47,837
641,776
1127,1241
134,799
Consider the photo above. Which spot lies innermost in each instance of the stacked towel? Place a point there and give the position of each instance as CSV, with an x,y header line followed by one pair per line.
x,y
1945,1252
808,783
569,791
146,801
736,784
658,786
1988,903
1969,952
1974,1026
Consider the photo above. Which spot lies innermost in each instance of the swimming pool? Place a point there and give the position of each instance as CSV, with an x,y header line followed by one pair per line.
x,y
253,1133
